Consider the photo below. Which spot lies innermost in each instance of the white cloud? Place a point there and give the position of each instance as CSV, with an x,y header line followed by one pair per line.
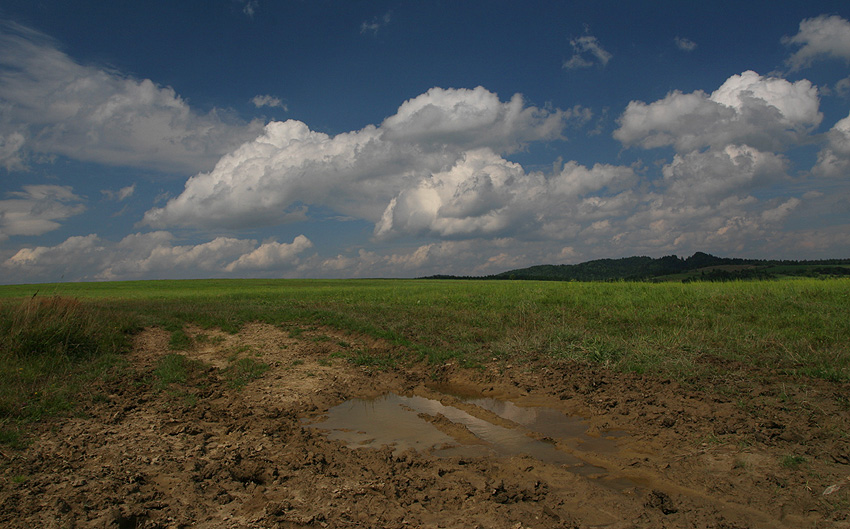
x,y
435,170
76,255
842,87
819,38
250,7
150,255
54,105
587,52
463,119
476,196
358,173
707,176
780,212
685,44
470,257
834,159
37,209
728,149
767,113
120,195
271,255
484,195
11,155
376,24
268,101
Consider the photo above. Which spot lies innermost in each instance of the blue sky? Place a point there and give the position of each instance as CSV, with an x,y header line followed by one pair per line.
x,y
251,138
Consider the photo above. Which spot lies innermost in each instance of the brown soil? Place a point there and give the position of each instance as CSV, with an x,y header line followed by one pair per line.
x,y
750,450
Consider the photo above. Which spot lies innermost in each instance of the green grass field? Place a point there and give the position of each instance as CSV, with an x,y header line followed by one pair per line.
x,y
55,337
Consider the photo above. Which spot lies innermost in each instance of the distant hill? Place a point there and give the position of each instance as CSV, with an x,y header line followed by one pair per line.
x,y
698,267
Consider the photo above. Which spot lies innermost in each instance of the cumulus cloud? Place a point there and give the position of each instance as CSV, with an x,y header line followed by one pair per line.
x,y
819,38
270,179
707,176
728,148
437,170
463,119
148,255
37,209
271,255
54,105
767,113
834,159
469,257
484,195
476,196
587,52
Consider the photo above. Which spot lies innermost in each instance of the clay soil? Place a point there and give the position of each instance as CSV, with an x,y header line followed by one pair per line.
x,y
747,450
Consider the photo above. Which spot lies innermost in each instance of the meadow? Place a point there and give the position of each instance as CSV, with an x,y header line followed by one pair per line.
x,y
55,337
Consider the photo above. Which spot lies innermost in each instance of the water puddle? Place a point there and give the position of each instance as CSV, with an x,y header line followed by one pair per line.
x,y
412,422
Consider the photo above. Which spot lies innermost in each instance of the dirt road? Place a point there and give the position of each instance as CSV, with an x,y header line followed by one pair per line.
x,y
749,451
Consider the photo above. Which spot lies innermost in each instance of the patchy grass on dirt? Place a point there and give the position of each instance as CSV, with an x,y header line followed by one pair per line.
x,y
677,330
682,331
162,404
694,333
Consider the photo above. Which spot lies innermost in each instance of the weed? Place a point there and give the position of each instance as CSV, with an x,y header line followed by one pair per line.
x,y
297,362
171,369
362,358
710,440
188,399
244,370
12,438
204,338
323,362
792,461
179,341
99,398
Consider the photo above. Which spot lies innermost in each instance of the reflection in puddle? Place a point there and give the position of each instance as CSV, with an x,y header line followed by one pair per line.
x,y
400,422
550,423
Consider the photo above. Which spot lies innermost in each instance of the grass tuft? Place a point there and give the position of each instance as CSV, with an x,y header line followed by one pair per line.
x,y
49,348
51,327
243,370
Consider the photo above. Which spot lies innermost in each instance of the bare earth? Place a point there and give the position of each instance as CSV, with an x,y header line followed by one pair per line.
x,y
205,454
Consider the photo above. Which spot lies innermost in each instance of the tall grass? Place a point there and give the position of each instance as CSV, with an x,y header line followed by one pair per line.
x,y
49,347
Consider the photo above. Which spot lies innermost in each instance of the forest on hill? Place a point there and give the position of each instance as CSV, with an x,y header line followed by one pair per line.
x,y
698,267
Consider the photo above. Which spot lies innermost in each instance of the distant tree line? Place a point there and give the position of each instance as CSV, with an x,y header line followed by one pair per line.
x,y
698,267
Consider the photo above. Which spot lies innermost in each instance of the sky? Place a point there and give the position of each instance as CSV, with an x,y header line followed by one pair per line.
x,y
343,139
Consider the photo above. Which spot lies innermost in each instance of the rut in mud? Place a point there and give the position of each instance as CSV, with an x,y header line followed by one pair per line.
x,y
317,441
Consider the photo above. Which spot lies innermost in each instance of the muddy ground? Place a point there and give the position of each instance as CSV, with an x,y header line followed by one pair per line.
x,y
755,451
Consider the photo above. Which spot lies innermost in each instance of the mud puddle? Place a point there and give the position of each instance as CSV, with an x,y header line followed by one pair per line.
x,y
429,426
